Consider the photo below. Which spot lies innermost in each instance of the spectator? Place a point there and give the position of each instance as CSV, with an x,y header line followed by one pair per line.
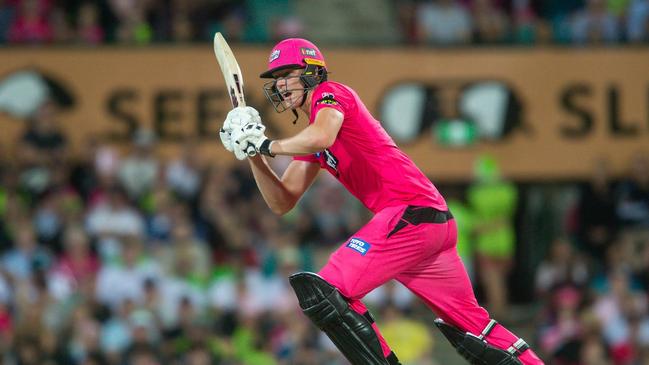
x,y
61,30
493,201
637,25
88,29
28,352
5,299
220,191
140,170
329,201
633,197
162,209
6,16
613,308
443,22
407,16
563,267
184,173
124,278
183,28
227,16
31,23
527,27
93,174
559,14
85,336
115,335
596,212
561,324
132,26
48,221
43,147
77,264
199,354
490,21
595,24
114,218
142,355
20,261
617,8
52,349
185,247
412,339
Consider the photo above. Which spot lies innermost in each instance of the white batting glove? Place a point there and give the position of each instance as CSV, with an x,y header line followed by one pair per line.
x,y
235,119
225,139
251,134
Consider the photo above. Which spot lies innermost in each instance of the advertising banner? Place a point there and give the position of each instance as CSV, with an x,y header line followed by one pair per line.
x,y
544,113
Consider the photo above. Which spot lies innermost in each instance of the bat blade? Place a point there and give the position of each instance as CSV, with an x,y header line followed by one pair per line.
x,y
232,75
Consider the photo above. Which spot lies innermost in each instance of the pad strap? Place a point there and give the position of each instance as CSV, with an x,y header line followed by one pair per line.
x,y
518,347
476,350
488,328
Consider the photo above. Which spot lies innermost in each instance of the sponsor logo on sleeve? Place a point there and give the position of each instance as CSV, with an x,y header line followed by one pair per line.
x,y
359,245
327,99
274,55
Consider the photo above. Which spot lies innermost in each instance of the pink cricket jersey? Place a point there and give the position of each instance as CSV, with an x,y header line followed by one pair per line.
x,y
365,159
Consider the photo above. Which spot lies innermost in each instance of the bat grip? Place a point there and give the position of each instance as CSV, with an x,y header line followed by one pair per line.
x,y
250,150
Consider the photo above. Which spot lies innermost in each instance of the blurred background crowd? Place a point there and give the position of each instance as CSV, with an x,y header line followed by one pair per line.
x,y
422,22
119,256
125,258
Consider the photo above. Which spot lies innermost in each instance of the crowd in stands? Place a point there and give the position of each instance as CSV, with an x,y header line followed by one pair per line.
x,y
413,22
594,280
121,257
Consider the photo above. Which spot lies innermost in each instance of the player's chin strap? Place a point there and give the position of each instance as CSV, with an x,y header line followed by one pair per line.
x,y
477,351
310,82
304,96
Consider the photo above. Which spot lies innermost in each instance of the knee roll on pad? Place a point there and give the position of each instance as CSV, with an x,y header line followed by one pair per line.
x,y
477,351
350,331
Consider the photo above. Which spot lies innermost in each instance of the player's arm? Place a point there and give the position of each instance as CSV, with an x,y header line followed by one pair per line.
x,y
281,194
316,137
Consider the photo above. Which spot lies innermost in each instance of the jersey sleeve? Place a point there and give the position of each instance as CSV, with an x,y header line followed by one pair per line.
x,y
330,95
307,158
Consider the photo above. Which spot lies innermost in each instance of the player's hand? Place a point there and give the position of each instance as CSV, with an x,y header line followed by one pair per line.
x,y
251,134
238,117
225,139
239,151
235,119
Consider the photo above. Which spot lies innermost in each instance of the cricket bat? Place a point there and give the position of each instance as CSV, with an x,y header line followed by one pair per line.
x,y
232,75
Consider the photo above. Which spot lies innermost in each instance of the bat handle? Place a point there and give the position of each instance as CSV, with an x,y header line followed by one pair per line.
x,y
250,150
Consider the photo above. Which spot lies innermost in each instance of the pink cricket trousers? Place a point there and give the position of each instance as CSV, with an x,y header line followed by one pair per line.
x,y
422,257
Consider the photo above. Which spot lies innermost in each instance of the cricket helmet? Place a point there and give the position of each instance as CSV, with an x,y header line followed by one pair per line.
x,y
293,53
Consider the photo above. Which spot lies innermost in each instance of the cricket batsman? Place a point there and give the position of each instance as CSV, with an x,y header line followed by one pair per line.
x,y
411,237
